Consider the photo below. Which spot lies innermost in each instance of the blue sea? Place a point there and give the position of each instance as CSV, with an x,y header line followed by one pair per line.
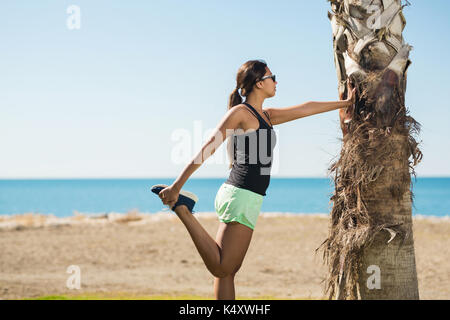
x,y
295,195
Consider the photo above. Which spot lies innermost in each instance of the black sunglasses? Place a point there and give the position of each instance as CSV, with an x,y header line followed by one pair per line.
x,y
267,77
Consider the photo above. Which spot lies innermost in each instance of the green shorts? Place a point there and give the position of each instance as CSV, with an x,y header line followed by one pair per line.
x,y
237,204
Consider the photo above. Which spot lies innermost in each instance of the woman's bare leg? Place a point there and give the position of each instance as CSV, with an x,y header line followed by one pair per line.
x,y
224,257
224,288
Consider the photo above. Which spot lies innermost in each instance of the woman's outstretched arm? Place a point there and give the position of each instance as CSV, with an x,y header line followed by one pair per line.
x,y
282,115
226,127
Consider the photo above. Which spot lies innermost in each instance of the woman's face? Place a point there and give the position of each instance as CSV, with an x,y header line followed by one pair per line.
x,y
268,85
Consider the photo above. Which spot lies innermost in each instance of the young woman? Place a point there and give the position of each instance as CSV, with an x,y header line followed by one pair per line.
x,y
239,199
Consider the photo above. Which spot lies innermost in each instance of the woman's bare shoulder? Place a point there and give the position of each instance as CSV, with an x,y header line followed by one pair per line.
x,y
248,119
242,109
240,106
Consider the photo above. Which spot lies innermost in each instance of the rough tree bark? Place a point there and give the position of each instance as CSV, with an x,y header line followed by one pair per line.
x,y
370,249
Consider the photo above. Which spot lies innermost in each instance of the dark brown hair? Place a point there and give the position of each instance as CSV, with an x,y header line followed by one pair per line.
x,y
246,77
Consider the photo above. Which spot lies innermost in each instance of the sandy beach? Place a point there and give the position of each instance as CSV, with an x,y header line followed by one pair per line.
x,y
153,254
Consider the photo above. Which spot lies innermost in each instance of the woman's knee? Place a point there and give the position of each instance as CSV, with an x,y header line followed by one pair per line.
x,y
236,269
220,273
225,271
223,275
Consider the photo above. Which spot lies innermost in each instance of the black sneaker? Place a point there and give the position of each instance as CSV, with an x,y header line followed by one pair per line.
x,y
185,197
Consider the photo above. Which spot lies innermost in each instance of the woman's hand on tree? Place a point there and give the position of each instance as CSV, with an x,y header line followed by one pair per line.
x,y
351,93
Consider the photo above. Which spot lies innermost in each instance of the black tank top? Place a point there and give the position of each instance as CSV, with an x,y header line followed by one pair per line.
x,y
252,156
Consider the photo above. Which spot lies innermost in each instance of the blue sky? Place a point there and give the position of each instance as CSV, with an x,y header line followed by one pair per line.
x,y
105,100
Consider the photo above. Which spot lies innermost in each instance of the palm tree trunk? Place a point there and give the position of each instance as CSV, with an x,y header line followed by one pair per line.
x,y
370,247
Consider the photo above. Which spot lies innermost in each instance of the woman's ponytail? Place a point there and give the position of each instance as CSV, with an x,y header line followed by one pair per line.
x,y
235,99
